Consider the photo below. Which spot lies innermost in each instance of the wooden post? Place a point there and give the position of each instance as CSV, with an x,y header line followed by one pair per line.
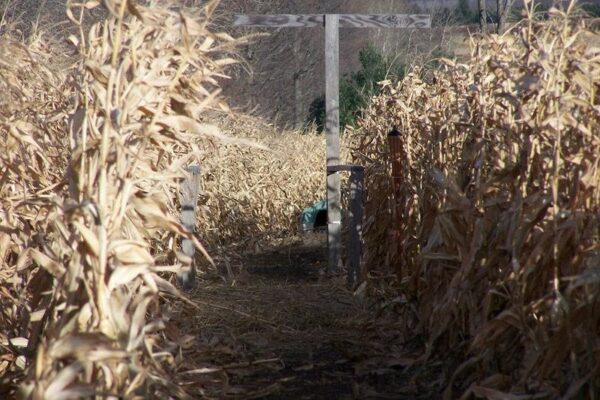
x,y
357,174
357,177
332,136
189,203
395,144
332,23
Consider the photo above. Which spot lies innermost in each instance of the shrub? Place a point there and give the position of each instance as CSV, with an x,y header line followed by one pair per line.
x,y
357,88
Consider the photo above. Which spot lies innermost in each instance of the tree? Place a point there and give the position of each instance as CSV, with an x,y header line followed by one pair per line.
x,y
463,11
356,89
503,8
482,16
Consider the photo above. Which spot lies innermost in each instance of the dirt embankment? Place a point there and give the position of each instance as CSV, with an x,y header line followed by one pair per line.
x,y
285,70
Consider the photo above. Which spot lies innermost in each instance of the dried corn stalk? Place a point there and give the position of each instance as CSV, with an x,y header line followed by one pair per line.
x,y
253,194
86,195
500,207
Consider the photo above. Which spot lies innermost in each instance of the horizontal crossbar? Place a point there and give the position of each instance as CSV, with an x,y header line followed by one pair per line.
x,y
346,20
332,169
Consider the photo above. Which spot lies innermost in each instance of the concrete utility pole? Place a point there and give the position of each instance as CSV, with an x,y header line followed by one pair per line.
x,y
332,23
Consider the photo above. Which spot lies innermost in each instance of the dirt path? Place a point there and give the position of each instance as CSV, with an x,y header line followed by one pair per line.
x,y
285,331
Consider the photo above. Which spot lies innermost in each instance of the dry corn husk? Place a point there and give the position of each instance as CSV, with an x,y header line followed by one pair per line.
x,y
91,162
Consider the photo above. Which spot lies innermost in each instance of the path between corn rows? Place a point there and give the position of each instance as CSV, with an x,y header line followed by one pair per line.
x,y
285,331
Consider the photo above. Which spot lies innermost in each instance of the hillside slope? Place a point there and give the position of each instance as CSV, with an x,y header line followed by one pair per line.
x,y
286,68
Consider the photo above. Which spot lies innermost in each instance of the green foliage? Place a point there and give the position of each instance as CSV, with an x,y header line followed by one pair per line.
x,y
591,9
433,62
463,8
357,88
464,14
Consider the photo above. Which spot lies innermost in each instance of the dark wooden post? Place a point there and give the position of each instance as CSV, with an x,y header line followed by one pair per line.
x,y
395,144
332,23
357,177
189,203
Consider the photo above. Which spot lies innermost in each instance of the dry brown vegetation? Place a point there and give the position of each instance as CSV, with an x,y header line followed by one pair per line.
x,y
254,194
498,249
90,161
497,253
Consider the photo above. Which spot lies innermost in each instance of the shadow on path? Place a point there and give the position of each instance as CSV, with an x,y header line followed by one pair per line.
x,y
284,331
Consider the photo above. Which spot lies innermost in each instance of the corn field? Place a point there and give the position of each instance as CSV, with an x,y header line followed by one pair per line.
x,y
497,248
92,155
491,226
257,184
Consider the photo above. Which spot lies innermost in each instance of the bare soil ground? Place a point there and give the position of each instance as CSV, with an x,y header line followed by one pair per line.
x,y
283,330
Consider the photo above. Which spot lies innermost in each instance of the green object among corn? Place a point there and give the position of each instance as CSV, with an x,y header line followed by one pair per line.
x,y
314,216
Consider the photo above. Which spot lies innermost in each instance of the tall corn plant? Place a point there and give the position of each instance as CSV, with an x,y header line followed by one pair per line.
x,y
499,205
91,323
33,157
